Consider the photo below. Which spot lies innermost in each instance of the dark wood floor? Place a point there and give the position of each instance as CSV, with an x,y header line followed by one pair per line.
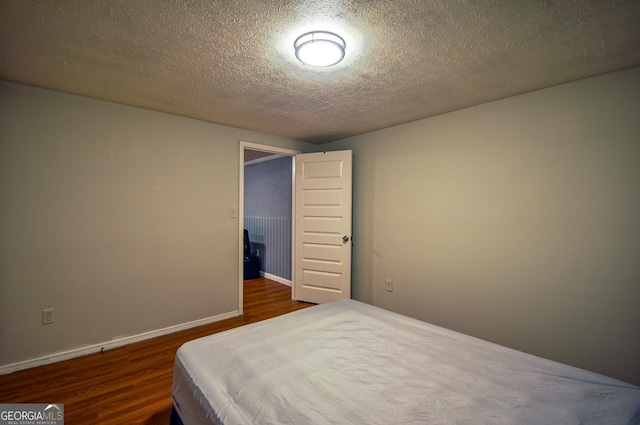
x,y
132,384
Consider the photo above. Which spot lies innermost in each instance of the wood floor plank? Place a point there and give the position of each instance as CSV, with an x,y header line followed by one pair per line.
x,y
132,384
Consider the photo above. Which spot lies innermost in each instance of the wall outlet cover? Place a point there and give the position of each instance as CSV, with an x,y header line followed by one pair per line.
x,y
47,316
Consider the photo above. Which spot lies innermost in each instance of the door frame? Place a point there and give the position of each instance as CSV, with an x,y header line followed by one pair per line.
x,y
277,150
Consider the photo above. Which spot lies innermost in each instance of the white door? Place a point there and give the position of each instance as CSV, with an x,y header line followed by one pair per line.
x,y
323,226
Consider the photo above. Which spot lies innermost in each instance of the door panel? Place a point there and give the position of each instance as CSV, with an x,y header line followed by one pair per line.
x,y
323,226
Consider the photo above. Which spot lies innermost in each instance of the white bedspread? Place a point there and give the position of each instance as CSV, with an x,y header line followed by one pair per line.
x,y
351,363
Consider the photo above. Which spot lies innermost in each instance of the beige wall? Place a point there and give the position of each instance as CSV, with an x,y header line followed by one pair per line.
x,y
517,221
115,216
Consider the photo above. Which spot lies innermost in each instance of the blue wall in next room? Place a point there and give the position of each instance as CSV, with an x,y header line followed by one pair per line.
x,y
267,213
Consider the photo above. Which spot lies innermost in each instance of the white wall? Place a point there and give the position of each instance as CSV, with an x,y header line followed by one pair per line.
x,y
117,217
517,221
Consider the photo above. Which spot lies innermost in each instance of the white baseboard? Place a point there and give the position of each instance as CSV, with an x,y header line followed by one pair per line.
x,y
276,278
109,345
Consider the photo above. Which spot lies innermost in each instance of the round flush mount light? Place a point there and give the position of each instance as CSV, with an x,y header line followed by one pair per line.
x,y
320,48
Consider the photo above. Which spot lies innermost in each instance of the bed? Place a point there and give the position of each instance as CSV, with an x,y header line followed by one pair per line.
x,y
347,362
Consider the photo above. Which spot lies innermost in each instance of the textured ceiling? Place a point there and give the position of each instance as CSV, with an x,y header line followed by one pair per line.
x,y
232,62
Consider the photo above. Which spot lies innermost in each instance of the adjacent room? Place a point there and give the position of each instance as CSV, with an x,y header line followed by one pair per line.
x,y
495,186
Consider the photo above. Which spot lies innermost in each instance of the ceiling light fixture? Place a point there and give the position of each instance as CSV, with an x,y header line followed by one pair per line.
x,y
320,48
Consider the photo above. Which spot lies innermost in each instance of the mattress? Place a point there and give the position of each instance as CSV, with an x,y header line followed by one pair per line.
x,y
348,362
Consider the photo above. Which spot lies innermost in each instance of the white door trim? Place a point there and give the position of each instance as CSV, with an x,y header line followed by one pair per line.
x,y
264,148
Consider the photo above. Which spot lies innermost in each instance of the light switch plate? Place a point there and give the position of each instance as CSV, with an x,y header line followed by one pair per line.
x,y
389,283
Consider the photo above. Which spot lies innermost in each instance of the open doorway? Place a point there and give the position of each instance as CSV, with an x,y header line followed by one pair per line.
x,y
271,233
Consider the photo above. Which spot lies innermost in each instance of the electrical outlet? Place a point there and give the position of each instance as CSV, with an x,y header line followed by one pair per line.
x,y
389,287
47,316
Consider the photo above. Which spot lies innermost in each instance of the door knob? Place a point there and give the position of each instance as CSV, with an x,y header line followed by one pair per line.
x,y
345,239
